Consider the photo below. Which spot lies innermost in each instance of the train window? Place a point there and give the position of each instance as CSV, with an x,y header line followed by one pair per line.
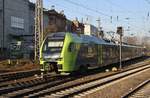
x,y
90,50
105,52
44,48
77,46
55,44
110,52
72,47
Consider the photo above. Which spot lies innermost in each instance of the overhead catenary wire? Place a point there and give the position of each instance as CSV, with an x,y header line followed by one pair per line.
x,y
90,9
85,7
147,1
119,19
116,5
81,13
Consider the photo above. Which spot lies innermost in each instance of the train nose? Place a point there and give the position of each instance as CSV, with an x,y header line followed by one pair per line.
x,y
55,56
50,66
51,56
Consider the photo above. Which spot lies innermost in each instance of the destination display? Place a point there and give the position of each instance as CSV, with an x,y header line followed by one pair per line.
x,y
55,44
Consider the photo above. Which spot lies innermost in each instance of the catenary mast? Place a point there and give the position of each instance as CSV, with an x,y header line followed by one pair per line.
x,y
38,28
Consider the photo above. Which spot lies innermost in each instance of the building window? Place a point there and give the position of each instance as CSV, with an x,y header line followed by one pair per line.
x,y
17,22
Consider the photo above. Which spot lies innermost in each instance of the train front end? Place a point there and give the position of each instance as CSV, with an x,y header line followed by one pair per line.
x,y
59,53
50,52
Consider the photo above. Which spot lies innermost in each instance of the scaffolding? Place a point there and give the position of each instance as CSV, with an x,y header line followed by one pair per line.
x,y
38,28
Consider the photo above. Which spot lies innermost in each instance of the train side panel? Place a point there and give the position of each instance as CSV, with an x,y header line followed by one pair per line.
x,y
69,55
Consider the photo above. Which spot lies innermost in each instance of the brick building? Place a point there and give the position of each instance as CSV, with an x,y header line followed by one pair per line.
x,y
56,22
77,27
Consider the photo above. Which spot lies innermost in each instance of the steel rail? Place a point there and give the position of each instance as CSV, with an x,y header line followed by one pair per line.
x,y
136,89
71,91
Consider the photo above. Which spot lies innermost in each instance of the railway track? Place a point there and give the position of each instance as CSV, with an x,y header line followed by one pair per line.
x,y
17,75
71,91
65,86
34,85
4,71
51,85
141,91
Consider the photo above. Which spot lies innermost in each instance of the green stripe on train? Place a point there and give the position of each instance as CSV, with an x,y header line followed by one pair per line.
x,y
69,58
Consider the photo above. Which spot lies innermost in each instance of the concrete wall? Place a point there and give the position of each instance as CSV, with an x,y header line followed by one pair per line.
x,y
19,9
15,8
31,21
1,22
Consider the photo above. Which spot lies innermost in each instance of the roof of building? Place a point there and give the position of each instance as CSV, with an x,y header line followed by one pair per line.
x,y
49,12
55,13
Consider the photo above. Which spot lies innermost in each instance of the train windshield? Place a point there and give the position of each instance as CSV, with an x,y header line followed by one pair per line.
x,y
52,47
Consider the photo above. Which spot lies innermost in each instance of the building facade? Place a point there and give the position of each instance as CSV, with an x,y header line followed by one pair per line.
x,y
1,21
90,30
56,22
18,24
77,27
32,17
16,20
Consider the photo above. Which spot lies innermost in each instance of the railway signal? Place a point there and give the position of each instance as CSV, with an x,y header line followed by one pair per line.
x,y
120,32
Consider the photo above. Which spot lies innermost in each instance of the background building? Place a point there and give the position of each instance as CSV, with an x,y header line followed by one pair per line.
x,y
77,27
1,21
18,33
18,24
16,20
90,30
56,22
133,40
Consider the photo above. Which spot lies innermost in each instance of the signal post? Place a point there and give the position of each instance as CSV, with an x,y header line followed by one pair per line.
x,y
120,32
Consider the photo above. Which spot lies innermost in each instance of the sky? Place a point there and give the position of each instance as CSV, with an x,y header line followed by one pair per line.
x,y
133,15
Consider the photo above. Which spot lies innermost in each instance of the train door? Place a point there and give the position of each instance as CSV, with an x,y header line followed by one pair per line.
x,y
107,55
92,54
100,55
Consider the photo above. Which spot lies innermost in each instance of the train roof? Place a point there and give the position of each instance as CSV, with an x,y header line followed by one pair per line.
x,y
89,39
96,40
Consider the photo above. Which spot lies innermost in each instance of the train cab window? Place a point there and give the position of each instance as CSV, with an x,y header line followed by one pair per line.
x,y
111,53
72,47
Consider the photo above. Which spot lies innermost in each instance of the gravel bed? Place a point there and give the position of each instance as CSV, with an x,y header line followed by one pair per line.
x,y
116,89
